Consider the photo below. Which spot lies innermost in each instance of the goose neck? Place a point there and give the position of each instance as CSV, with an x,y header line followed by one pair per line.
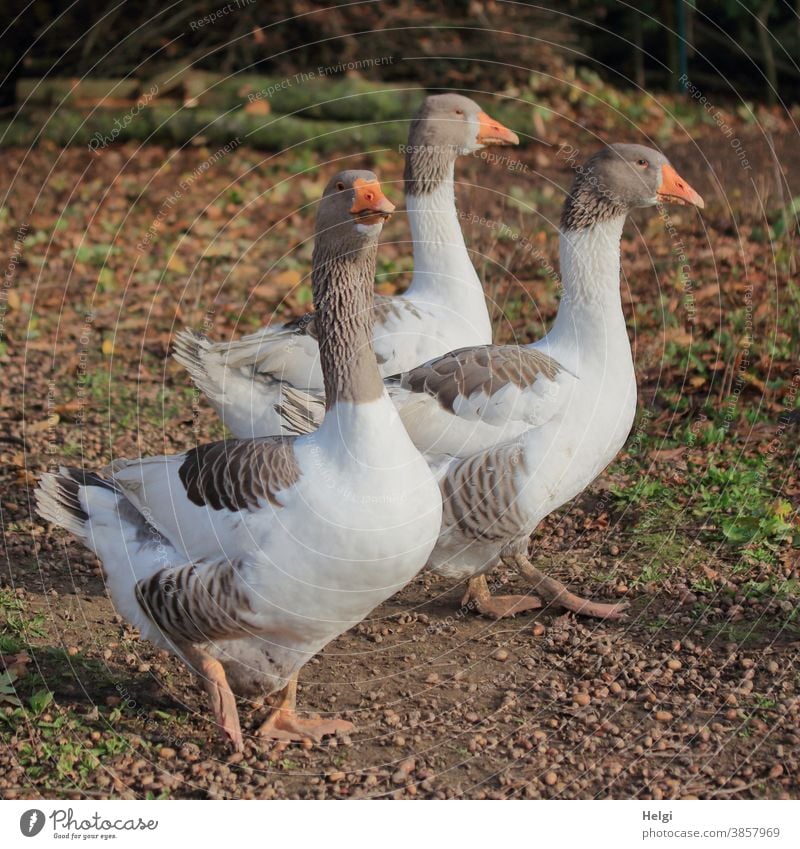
x,y
590,319
432,216
442,264
590,266
343,297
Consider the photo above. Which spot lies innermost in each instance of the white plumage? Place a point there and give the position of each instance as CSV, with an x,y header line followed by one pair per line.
x,y
512,432
444,307
246,557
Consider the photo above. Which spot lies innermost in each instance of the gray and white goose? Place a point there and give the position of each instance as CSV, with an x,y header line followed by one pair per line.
x,y
514,432
246,557
443,308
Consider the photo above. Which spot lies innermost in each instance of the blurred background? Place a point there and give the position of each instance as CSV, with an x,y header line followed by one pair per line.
x,y
734,48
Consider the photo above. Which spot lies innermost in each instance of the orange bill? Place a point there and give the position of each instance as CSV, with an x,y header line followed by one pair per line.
x,y
493,132
371,204
674,189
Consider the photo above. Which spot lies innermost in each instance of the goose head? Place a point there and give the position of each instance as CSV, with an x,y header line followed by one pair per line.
x,y
455,123
352,212
620,178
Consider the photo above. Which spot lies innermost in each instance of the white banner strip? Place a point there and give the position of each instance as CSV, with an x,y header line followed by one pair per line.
x,y
595,824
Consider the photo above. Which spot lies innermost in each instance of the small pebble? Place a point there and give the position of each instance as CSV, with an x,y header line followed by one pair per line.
x,y
166,753
663,716
501,655
408,765
550,778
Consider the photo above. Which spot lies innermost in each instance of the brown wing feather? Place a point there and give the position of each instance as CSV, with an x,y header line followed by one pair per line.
x,y
486,368
196,605
238,474
387,306
480,495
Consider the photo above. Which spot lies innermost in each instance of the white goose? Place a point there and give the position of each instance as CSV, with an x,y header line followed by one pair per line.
x,y
515,432
444,307
246,557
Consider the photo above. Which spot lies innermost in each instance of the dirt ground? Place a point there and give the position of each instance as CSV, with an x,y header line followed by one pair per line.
x,y
695,695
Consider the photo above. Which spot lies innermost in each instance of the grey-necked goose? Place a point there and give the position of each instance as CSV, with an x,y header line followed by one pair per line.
x,y
444,307
514,432
246,557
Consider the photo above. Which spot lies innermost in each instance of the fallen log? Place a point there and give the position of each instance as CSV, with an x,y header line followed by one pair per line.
x,y
103,128
312,94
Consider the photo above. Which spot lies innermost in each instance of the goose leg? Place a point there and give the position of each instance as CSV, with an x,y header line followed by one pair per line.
x,y
284,723
498,606
556,593
223,703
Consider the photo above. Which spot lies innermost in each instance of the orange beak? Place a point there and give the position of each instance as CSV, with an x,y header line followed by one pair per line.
x,y
674,189
370,205
493,132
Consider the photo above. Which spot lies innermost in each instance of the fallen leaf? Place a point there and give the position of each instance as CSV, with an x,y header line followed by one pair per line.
x,y
176,264
706,292
667,453
68,408
16,663
50,421
287,278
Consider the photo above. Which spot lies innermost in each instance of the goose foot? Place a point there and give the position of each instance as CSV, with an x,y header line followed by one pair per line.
x,y
479,598
223,702
286,726
556,593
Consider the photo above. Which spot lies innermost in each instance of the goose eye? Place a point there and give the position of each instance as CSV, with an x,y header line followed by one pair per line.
x,y
642,163
459,111
340,186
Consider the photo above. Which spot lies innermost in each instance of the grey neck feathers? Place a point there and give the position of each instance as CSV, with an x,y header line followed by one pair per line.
x,y
428,167
589,203
343,297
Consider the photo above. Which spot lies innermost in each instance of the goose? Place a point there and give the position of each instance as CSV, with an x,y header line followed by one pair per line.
x,y
443,308
245,557
515,432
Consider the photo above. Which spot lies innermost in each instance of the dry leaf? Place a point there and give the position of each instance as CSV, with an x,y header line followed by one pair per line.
x,y
176,264
287,278
50,421
667,453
